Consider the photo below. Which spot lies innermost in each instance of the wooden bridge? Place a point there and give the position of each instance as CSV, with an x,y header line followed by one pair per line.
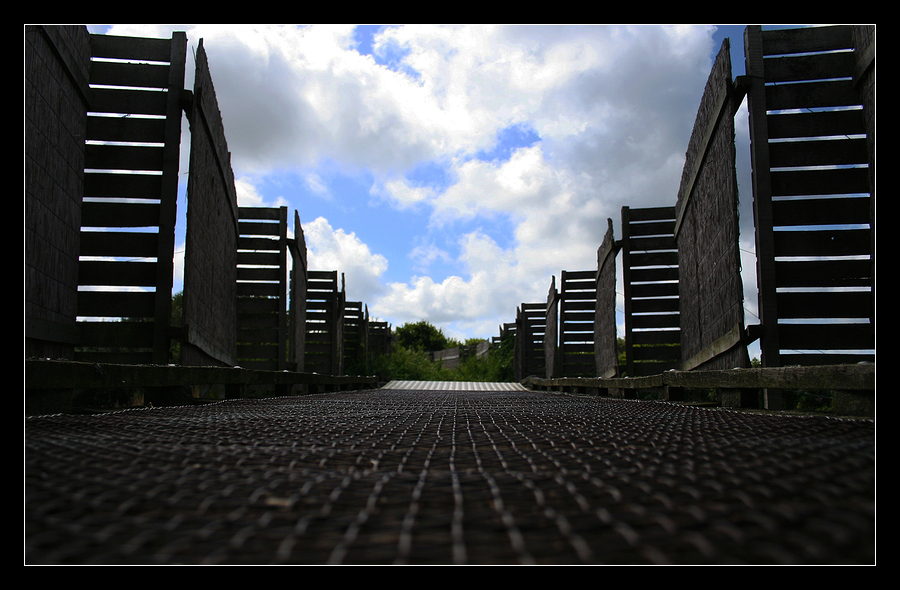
x,y
258,448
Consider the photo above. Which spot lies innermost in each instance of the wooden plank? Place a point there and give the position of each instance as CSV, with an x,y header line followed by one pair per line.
x,y
132,102
827,242
258,228
807,39
837,304
129,74
653,290
812,95
839,211
653,275
133,48
118,244
134,129
116,273
656,321
656,305
256,305
259,259
259,289
123,157
268,244
827,336
848,181
816,124
106,214
651,228
810,67
259,274
831,152
116,304
134,186
639,259
824,273
115,334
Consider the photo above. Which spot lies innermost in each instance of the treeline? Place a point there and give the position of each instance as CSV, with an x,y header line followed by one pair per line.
x,y
412,358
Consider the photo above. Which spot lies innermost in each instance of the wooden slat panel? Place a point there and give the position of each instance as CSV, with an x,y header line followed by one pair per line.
x,y
123,157
99,214
119,244
832,152
812,95
858,304
646,275
822,243
805,40
653,259
847,181
652,213
651,229
654,243
653,290
655,305
265,335
253,321
657,353
129,304
841,211
816,124
130,74
135,48
259,289
136,129
259,258
656,337
824,273
826,336
137,186
106,273
819,66
115,334
272,213
656,321
259,274
134,102
254,228
256,305
245,243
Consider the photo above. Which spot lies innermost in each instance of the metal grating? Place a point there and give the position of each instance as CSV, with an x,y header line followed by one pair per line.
x,y
414,476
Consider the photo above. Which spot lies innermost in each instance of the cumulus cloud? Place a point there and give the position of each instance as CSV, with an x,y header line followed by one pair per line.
x,y
335,249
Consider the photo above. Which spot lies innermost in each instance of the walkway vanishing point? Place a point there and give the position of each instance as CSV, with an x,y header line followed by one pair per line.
x,y
439,473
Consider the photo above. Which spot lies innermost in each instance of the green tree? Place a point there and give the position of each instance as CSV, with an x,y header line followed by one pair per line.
x,y
422,336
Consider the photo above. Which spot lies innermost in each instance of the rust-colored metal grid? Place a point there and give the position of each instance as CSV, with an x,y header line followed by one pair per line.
x,y
448,477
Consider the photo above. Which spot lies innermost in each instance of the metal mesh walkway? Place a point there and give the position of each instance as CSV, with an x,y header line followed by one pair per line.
x,y
424,476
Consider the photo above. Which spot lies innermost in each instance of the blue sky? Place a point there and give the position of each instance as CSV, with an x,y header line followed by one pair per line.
x,y
450,172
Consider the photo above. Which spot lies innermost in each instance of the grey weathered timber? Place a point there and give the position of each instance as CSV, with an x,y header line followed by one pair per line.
x,y
209,303
606,358
707,232
814,208
298,286
853,385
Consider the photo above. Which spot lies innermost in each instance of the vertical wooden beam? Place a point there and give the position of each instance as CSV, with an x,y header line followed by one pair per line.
x,y
168,200
762,196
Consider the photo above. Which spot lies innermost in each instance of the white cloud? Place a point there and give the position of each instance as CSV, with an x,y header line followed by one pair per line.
x,y
335,249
